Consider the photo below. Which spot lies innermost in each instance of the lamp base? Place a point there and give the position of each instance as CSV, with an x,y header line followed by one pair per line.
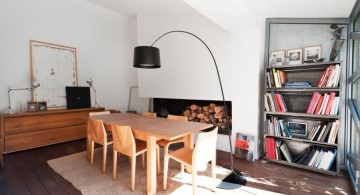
x,y
232,181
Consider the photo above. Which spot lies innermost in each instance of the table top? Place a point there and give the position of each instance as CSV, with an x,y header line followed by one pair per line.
x,y
162,128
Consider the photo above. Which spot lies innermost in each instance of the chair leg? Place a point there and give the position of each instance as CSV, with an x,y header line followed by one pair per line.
x,y
104,158
143,160
133,166
92,153
158,159
182,171
194,172
114,164
166,164
213,165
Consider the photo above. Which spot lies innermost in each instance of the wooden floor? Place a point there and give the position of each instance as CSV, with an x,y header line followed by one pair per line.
x,y
27,172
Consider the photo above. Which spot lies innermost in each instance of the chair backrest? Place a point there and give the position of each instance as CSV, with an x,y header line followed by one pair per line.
x,y
97,131
98,113
205,147
123,139
175,117
149,114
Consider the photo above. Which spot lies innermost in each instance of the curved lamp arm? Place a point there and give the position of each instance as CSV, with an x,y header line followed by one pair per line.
x,y
149,57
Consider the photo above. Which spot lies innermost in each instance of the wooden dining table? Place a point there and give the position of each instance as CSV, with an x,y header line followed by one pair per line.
x,y
150,130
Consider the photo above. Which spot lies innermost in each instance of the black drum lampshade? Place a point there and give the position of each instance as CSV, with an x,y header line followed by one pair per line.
x,y
146,57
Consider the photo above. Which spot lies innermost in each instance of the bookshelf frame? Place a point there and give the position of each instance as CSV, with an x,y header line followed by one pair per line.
x,y
310,68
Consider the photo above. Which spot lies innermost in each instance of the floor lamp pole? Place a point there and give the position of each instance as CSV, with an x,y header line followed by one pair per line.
x,y
149,57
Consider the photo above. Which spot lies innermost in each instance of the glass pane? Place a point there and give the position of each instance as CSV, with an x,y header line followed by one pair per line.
x,y
357,24
356,55
354,141
356,92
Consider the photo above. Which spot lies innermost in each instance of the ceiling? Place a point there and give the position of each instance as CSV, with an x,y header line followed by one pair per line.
x,y
233,15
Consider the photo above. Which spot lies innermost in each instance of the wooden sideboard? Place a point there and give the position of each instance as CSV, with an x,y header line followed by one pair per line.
x,y
34,129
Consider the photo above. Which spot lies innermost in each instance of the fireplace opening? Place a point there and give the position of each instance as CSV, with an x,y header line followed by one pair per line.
x,y
206,111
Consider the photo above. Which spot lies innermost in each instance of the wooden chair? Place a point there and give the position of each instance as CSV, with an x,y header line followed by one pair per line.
x,y
167,143
204,151
125,143
97,134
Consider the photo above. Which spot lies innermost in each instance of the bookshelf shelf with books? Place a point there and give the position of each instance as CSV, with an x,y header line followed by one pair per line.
x,y
303,112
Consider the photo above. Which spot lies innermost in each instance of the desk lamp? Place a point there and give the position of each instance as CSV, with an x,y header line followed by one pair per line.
x,y
149,57
34,85
90,82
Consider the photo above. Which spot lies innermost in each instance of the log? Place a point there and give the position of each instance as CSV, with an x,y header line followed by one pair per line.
x,y
219,115
193,114
212,105
218,109
211,111
194,107
200,116
186,113
206,108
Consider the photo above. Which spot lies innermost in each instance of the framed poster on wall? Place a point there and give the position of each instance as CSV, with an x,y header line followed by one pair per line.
x,y
54,67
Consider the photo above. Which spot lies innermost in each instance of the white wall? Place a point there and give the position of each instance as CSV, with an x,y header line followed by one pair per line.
x,y
101,37
188,71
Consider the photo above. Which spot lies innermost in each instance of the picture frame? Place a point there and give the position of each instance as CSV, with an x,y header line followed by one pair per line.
x,y
54,66
277,57
41,106
312,52
31,107
298,129
295,56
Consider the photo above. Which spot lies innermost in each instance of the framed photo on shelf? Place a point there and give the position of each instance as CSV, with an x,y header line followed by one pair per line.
x,y
41,106
312,52
298,129
276,57
295,56
31,106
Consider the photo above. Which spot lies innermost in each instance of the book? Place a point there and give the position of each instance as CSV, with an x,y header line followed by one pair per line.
x,y
332,158
322,78
277,85
282,78
327,75
277,102
266,103
313,158
330,103
337,77
272,104
334,105
312,101
286,152
326,132
324,103
318,136
283,102
331,77
333,135
268,81
245,146
318,104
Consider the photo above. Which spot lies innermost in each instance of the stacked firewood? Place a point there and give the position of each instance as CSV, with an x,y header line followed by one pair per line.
x,y
212,114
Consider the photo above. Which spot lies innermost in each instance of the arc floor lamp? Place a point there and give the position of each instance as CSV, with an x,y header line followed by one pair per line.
x,y
149,57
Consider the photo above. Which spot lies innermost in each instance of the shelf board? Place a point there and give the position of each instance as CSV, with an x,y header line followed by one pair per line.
x,y
304,167
303,141
307,66
303,115
309,89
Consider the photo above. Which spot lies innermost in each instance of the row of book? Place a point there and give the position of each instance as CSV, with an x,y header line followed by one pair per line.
x,y
277,127
325,132
313,156
275,78
274,102
330,77
327,104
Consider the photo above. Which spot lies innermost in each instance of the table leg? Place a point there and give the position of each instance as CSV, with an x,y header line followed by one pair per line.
x,y
88,143
151,165
189,142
